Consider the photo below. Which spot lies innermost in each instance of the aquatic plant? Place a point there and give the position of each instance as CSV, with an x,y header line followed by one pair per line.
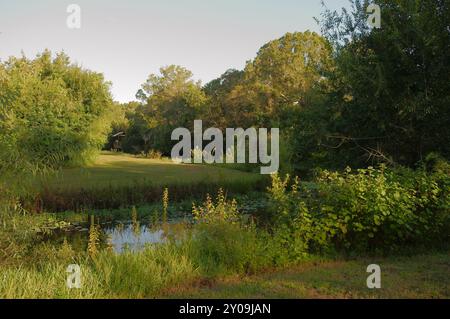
x,y
94,238
221,210
165,204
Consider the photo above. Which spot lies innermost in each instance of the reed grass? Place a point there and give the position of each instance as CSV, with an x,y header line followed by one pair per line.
x,y
109,275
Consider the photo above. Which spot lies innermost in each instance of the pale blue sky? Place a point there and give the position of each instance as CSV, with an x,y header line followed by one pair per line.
x,y
127,40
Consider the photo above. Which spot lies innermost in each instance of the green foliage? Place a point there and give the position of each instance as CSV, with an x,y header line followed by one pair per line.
x,y
145,273
127,275
225,248
389,100
285,74
19,231
352,97
222,210
370,210
219,111
170,100
52,114
220,243
216,248
94,238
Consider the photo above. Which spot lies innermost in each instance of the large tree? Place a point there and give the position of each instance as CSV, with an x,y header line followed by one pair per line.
x,y
286,73
169,100
288,77
391,98
220,112
288,70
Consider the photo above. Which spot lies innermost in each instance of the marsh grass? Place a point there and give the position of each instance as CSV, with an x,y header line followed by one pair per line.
x,y
109,275
139,193
38,270
47,281
143,274
210,252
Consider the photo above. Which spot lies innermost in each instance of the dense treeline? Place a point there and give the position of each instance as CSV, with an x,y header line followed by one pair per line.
x,y
354,96
286,75
390,97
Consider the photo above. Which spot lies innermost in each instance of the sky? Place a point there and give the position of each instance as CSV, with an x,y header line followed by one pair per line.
x,y
127,40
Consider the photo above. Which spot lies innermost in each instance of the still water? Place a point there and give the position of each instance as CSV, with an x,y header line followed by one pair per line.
x,y
119,236
132,238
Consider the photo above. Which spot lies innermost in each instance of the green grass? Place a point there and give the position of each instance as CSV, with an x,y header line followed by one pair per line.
x,y
169,274
119,180
128,275
421,276
121,169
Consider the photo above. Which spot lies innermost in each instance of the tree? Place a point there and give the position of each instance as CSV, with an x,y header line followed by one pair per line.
x,y
390,100
288,77
220,112
287,72
122,116
170,100
52,113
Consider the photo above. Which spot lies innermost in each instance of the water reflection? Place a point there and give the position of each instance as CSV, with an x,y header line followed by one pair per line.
x,y
132,237
120,236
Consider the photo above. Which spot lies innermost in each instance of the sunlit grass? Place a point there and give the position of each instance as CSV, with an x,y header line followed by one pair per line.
x,y
420,276
122,169
119,180
168,273
128,275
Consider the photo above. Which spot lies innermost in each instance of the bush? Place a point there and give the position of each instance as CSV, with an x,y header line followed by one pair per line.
x,y
52,114
372,209
222,210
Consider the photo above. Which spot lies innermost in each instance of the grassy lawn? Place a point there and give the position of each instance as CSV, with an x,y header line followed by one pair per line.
x,y
122,169
422,276
120,180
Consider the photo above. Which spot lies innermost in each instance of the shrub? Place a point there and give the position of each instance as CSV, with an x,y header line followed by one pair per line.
x,y
372,209
222,210
20,231
52,113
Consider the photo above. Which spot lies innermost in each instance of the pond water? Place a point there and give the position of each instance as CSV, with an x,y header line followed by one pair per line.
x,y
131,238
119,236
